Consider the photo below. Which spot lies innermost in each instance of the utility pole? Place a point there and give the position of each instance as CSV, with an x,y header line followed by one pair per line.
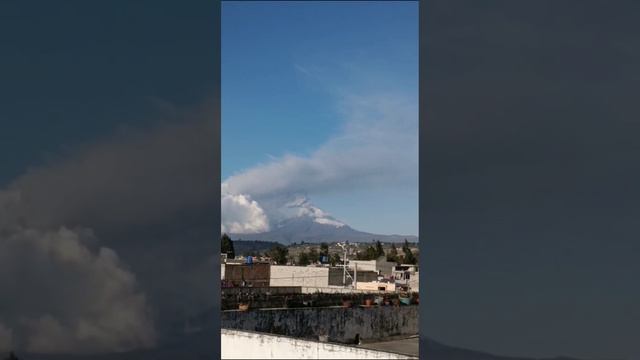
x,y
355,276
344,264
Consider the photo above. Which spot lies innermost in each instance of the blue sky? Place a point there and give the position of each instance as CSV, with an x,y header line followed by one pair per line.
x,y
287,68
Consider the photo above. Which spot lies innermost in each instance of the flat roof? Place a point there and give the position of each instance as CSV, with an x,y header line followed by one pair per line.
x,y
405,346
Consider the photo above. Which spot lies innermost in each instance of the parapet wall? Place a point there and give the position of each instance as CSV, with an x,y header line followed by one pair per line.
x,y
340,324
248,345
282,275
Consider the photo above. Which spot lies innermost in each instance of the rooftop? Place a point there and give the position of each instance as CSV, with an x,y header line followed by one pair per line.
x,y
403,345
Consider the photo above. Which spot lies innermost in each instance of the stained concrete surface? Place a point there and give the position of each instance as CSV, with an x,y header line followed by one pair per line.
x,y
340,324
407,346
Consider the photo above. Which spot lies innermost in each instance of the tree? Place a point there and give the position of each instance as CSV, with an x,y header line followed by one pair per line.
x,y
371,253
279,254
335,259
251,253
227,246
379,249
409,258
303,259
313,255
324,249
393,254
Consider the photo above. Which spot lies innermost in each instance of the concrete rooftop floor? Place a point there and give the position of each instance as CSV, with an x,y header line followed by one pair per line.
x,y
406,346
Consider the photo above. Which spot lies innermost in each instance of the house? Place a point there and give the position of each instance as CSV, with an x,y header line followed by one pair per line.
x,y
306,276
255,274
406,275
380,265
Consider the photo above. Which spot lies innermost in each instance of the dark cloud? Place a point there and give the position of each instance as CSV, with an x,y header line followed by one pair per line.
x,y
141,257
92,300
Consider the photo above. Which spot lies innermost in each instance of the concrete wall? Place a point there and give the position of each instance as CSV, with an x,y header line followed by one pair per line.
x,y
375,286
414,282
381,264
336,276
313,277
306,276
337,289
363,265
250,345
279,290
341,324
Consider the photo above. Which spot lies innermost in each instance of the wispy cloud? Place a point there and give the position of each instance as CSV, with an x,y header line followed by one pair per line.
x,y
376,147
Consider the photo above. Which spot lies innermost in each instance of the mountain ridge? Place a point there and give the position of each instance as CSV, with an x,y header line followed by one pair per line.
x,y
312,230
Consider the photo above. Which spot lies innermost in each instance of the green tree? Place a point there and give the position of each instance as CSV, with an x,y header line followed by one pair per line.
x,y
335,259
324,249
279,254
227,246
371,253
409,258
313,255
379,249
393,254
303,259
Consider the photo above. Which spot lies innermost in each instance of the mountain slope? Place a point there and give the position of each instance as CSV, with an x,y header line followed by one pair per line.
x,y
315,230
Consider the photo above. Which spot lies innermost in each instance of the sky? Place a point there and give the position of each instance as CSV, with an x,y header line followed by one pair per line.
x,y
298,78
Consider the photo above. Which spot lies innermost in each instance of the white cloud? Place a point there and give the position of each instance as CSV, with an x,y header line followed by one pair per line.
x,y
376,148
242,215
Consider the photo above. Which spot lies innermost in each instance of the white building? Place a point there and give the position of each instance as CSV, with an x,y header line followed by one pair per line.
x,y
380,265
305,276
406,275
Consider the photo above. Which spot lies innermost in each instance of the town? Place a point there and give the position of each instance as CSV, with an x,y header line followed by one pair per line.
x,y
345,300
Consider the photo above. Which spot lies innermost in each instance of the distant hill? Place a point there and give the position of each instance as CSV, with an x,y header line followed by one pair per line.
x,y
313,230
244,247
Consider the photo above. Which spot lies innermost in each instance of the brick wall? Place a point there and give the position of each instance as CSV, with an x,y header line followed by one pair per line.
x,y
255,274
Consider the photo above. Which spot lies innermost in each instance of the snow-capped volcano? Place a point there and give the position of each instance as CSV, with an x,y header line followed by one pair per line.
x,y
300,220
302,207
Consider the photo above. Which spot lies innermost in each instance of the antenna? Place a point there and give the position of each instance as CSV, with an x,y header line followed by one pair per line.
x,y
345,273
